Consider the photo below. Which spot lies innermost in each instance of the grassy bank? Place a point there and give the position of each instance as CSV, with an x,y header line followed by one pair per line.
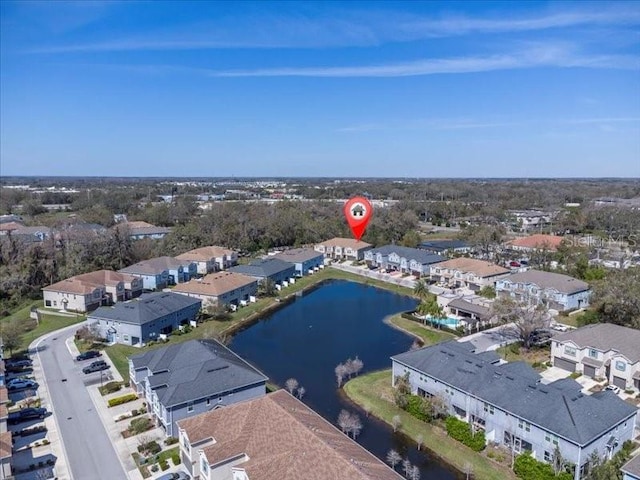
x,y
374,392
31,329
245,315
428,335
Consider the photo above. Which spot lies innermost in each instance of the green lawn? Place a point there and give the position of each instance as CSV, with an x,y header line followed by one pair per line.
x,y
215,328
428,335
374,392
31,329
167,454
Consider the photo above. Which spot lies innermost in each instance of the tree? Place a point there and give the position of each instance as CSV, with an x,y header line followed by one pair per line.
x,y
414,474
343,420
357,365
420,288
431,309
407,467
487,292
468,470
11,335
291,385
419,441
393,458
340,371
524,319
558,463
396,422
301,392
411,239
617,299
267,288
354,425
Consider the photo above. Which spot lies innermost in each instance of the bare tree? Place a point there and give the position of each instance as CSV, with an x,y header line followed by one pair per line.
x,y
341,371
558,463
343,420
415,345
415,473
468,470
348,367
396,422
523,317
357,365
393,458
407,467
291,385
367,409
419,441
439,405
355,425
301,392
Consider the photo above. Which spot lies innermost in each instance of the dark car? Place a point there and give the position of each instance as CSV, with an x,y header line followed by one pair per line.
x,y
88,354
26,414
23,363
95,367
175,476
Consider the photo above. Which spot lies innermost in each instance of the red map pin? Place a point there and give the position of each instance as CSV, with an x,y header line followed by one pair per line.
x,y
358,211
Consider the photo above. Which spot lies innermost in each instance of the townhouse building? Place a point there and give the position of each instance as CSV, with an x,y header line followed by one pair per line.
x,y
343,249
160,272
211,259
274,269
468,273
185,379
555,290
601,350
305,260
509,402
402,259
220,288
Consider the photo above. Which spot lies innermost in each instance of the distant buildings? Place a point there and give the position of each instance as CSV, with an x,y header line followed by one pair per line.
x,y
274,437
138,230
343,248
602,350
557,291
445,247
211,259
185,379
147,318
510,404
536,242
88,291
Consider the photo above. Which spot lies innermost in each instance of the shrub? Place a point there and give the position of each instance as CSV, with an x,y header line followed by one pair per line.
x,y
575,375
418,407
110,387
164,465
171,441
130,397
140,425
528,468
461,431
154,468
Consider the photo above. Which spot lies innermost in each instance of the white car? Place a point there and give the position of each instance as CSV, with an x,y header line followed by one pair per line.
x,y
20,383
559,327
613,388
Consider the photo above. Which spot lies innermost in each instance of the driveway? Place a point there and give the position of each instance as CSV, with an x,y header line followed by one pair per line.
x,y
490,339
87,447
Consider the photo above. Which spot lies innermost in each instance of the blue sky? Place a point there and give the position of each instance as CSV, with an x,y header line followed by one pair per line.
x,y
437,89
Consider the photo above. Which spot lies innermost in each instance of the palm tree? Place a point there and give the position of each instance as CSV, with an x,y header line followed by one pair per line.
x,y
432,309
420,289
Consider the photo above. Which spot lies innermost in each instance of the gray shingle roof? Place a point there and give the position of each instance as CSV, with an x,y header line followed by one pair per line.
x,y
154,266
421,256
632,467
264,267
605,337
443,245
558,407
146,308
558,281
195,369
461,304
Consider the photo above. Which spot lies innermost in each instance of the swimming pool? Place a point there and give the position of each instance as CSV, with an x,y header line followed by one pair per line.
x,y
450,322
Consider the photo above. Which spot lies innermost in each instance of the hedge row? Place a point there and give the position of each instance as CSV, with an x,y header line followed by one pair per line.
x,y
461,431
528,468
130,397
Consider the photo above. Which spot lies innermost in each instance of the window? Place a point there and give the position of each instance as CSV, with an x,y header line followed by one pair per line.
x,y
208,402
488,408
548,456
190,407
569,350
524,425
593,353
204,466
621,366
551,438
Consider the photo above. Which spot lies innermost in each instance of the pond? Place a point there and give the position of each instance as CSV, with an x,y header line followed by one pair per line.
x,y
309,337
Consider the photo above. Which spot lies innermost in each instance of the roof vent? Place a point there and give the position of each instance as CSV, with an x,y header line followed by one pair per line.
x,y
217,368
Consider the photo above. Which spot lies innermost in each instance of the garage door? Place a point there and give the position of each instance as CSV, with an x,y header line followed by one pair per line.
x,y
590,371
567,365
620,382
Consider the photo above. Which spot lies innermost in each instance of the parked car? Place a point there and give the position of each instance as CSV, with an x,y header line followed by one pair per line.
x,y
175,476
88,354
559,327
95,367
20,384
514,264
25,414
22,363
613,388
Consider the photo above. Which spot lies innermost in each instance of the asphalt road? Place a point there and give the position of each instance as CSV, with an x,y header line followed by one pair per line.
x,y
89,452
